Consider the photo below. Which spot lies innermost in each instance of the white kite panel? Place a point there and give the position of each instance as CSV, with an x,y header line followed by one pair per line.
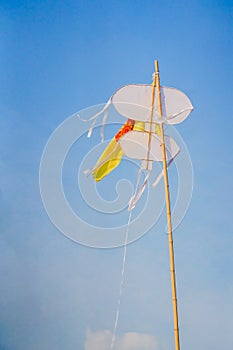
x,y
135,102
135,145
176,106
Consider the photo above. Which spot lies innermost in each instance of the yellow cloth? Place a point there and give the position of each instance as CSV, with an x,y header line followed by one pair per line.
x,y
139,126
157,129
113,153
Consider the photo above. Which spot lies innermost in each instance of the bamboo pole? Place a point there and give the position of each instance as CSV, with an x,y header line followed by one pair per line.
x,y
151,122
168,206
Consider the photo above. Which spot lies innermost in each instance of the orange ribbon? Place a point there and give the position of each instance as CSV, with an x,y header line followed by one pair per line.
x,y
128,126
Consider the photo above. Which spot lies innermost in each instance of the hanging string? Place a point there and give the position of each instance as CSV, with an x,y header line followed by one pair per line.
x,y
121,283
132,204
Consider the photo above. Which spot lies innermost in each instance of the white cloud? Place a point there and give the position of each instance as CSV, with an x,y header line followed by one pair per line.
x,y
128,341
136,341
98,340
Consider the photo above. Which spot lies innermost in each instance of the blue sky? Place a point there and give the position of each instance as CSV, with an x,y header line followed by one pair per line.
x,y
57,58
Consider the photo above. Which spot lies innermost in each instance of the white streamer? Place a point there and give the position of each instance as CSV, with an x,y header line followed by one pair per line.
x,y
105,119
161,174
137,194
94,118
121,283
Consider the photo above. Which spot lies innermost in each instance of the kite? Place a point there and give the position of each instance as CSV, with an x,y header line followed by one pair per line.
x,y
141,136
147,109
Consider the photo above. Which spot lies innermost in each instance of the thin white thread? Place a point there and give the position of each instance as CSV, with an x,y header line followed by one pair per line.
x,y
121,283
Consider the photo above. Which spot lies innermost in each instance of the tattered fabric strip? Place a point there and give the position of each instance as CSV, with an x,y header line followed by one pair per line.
x,y
95,117
137,195
162,173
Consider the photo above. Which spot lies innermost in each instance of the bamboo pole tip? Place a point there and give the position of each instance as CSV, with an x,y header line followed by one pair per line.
x,y
156,66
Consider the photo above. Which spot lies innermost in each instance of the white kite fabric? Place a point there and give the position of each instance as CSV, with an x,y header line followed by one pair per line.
x,y
135,145
134,101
